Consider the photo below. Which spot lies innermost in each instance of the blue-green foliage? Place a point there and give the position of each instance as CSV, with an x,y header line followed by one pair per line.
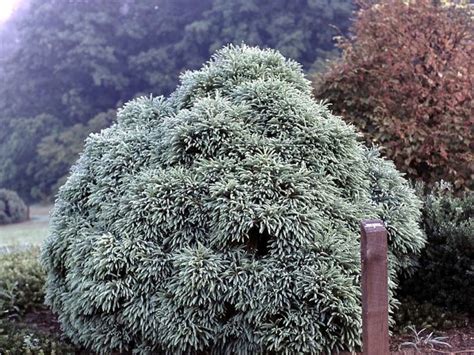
x,y
223,219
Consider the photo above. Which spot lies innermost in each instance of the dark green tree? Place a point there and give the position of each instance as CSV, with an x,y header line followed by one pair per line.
x,y
75,59
56,151
19,161
72,60
300,29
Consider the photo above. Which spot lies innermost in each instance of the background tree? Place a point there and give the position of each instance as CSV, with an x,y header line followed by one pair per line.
x,y
406,79
75,59
300,29
57,150
19,139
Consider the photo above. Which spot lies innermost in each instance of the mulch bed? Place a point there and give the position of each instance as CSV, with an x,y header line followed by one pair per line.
x,y
42,320
460,339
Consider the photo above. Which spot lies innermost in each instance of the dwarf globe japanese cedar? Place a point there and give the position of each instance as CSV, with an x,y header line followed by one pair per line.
x,y
223,219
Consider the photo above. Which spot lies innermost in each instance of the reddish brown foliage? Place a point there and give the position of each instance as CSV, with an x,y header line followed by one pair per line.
x,y
406,79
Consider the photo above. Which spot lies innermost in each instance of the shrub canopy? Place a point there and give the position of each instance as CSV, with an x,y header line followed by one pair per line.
x,y
223,219
12,207
406,80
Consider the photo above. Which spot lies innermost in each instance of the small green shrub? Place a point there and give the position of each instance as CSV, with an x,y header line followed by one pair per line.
x,y
12,207
21,283
224,219
425,315
445,276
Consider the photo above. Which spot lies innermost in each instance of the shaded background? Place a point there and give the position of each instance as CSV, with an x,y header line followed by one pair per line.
x,y
65,66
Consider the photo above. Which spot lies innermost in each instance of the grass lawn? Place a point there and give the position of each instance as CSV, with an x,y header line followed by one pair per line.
x,y
30,232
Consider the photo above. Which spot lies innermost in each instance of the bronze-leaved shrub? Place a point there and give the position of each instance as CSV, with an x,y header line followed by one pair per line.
x,y
406,80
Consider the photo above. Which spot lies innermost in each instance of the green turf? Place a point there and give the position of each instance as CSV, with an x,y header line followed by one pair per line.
x,y
23,234
31,232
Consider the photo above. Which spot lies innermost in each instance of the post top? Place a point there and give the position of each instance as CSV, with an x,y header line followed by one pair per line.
x,y
372,225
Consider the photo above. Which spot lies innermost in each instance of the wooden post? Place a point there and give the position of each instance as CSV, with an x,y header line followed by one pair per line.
x,y
374,288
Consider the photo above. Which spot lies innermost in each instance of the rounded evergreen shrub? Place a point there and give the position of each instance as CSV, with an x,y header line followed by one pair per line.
x,y
223,219
12,207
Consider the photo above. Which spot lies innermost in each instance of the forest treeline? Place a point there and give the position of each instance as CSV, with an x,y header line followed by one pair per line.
x,y
401,71
65,66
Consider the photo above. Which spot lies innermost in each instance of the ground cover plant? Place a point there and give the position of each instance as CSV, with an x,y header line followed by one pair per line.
x,y
26,326
223,219
21,282
406,80
18,339
12,207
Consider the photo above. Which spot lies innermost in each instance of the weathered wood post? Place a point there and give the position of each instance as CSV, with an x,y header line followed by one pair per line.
x,y
374,288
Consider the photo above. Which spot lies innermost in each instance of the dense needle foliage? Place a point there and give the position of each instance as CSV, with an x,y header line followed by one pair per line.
x,y
223,219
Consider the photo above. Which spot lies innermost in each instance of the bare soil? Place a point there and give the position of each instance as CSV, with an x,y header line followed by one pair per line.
x,y
461,341
42,320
